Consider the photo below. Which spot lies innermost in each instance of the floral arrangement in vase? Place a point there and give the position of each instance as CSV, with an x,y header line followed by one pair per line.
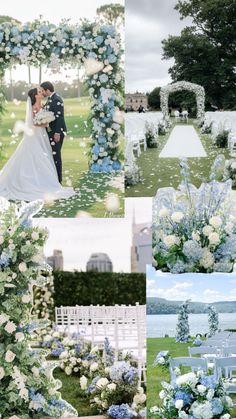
x,y
194,230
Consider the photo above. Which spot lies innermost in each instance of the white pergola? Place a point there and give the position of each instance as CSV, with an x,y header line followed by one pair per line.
x,y
198,90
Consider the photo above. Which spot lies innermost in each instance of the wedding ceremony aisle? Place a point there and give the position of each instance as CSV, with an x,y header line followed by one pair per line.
x,y
183,142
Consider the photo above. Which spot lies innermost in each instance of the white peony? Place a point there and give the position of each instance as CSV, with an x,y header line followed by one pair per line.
x,y
177,216
102,382
94,366
214,238
207,230
215,221
187,379
83,382
10,356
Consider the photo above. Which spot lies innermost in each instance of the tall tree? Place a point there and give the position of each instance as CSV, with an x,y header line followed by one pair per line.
x,y
113,14
204,53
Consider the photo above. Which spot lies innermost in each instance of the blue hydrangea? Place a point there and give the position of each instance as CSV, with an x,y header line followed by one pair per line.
x,y
122,411
192,250
99,39
4,260
208,381
116,165
110,30
1,36
217,407
112,58
178,268
182,395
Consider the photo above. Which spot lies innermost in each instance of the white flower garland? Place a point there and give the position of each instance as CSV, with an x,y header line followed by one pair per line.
x,y
183,85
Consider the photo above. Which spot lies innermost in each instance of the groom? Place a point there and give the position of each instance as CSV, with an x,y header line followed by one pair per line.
x,y
57,128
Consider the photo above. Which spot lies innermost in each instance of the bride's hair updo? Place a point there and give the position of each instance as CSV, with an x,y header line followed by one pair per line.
x,y
32,94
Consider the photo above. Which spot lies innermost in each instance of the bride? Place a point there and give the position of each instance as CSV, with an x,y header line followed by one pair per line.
x,y
30,173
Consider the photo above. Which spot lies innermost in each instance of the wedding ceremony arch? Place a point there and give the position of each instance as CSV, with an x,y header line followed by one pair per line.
x,y
198,90
95,46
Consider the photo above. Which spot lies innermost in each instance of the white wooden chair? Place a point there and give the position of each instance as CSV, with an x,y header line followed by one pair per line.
x,y
196,364
226,367
207,352
177,116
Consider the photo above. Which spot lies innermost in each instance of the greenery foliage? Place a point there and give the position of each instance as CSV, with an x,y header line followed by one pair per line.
x,y
87,288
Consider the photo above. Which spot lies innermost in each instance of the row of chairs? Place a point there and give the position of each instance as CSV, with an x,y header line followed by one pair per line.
x,y
223,367
124,326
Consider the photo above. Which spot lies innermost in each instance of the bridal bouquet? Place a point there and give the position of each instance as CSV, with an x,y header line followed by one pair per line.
x,y
194,395
43,117
193,229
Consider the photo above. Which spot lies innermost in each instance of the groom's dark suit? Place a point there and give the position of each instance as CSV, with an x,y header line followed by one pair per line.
x,y
55,104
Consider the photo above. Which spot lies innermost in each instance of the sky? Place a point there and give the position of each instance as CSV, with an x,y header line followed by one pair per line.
x,y
79,238
54,11
206,288
147,24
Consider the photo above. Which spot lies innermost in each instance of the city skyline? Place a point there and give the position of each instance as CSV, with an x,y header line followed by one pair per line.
x,y
79,238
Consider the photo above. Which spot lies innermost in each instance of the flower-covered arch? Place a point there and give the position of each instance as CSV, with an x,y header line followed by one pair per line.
x,y
94,45
183,85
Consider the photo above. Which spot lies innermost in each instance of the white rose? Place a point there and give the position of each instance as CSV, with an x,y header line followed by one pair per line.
x,y
10,327
68,370
22,267
179,404
139,398
26,298
214,238
111,387
2,373
102,382
3,319
83,382
19,336
201,389
164,212
10,356
35,235
215,221
207,230
196,236
94,366
177,216
171,240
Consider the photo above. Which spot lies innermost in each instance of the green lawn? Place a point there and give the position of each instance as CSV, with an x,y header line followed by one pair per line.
x,y
91,188
163,172
157,374
72,393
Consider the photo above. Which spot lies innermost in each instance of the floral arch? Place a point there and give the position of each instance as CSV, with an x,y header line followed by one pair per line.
x,y
183,85
94,45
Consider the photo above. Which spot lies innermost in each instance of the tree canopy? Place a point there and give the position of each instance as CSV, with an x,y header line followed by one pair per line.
x,y
113,14
204,52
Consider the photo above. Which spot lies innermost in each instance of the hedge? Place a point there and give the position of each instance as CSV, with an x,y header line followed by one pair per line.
x,y
85,288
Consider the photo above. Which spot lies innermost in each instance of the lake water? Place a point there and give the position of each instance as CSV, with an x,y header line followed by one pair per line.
x,y
159,325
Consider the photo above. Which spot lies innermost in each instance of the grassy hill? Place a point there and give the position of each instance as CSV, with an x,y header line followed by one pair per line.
x,y
163,306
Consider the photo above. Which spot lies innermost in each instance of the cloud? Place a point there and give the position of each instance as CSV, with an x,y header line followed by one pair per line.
x,y
147,24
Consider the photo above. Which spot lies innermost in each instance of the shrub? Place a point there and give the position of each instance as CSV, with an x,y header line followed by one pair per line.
x,y
151,135
221,140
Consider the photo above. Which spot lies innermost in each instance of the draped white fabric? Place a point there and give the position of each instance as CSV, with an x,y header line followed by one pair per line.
x,y
30,173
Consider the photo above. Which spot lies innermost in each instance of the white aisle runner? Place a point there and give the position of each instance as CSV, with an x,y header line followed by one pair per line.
x,y
183,142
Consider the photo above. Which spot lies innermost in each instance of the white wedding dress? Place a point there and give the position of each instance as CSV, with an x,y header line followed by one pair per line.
x,y
30,173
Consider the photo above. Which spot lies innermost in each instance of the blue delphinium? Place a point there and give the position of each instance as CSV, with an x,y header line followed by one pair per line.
x,y
122,411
